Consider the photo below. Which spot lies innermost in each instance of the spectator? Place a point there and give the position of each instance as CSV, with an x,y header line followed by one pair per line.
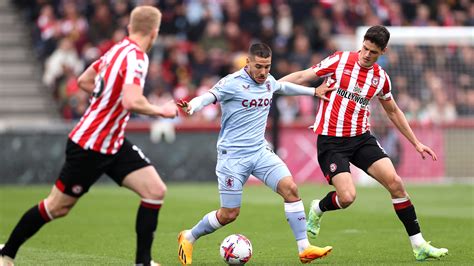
x,y
64,56
101,25
73,25
202,39
441,110
47,27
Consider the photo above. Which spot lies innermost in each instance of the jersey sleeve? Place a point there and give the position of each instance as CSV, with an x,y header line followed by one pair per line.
x,y
97,64
223,90
136,68
275,86
386,91
328,66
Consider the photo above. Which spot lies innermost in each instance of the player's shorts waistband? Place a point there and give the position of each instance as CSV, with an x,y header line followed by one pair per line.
x,y
238,152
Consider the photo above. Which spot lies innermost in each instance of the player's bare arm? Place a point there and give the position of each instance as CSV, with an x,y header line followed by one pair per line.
x,y
86,80
288,88
134,101
300,77
306,76
399,120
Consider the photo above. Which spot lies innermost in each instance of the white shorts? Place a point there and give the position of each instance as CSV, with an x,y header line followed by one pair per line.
x,y
232,173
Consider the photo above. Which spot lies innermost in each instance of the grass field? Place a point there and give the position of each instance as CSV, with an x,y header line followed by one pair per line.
x,y
100,229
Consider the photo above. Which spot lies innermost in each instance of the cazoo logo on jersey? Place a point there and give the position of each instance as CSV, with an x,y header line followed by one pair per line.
x,y
262,102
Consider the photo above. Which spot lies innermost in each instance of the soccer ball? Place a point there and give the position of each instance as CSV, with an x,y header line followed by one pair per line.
x,y
236,249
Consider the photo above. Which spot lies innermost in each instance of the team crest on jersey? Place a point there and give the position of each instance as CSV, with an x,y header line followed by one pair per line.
x,y
268,86
375,81
229,182
333,167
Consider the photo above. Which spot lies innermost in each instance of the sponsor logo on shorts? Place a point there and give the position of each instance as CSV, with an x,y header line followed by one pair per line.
x,y
229,182
333,167
77,189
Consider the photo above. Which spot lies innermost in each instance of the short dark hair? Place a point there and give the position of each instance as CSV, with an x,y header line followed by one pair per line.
x,y
378,35
260,50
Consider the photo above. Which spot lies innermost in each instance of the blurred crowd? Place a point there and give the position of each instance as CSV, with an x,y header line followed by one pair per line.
x,y
203,40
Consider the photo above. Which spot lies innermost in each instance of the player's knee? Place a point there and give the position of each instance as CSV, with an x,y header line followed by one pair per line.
x,y
56,206
396,187
288,189
228,215
156,192
346,198
290,192
60,210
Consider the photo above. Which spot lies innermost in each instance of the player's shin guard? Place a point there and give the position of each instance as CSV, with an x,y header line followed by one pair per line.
x,y
207,225
406,213
28,225
147,219
330,202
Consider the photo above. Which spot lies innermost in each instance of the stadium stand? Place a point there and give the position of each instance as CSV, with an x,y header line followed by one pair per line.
x,y
23,97
204,40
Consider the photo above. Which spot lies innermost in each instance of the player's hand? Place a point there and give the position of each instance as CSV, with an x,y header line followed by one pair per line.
x,y
322,90
422,149
183,105
186,106
169,110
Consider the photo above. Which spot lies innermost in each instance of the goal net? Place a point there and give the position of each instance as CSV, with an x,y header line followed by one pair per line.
x,y
432,75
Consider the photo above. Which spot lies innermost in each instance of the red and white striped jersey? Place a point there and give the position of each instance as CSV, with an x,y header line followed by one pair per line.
x,y
102,127
347,112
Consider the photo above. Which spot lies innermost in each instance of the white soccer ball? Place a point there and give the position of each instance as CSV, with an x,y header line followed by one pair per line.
x,y
236,249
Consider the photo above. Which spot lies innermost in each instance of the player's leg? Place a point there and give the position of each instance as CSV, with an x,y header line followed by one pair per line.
x,y
371,158
231,176
148,185
294,209
274,173
78,173
56,205
333,158
341,198
296,217
132,170
211,222
271,170
384,172
207,225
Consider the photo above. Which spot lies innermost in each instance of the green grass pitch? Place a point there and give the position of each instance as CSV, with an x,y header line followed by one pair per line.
x,y
100,229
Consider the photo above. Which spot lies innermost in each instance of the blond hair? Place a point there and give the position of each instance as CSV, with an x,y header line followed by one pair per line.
x,y
145,19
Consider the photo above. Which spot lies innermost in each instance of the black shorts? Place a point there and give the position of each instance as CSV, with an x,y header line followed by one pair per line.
x,y
335,153
84,167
